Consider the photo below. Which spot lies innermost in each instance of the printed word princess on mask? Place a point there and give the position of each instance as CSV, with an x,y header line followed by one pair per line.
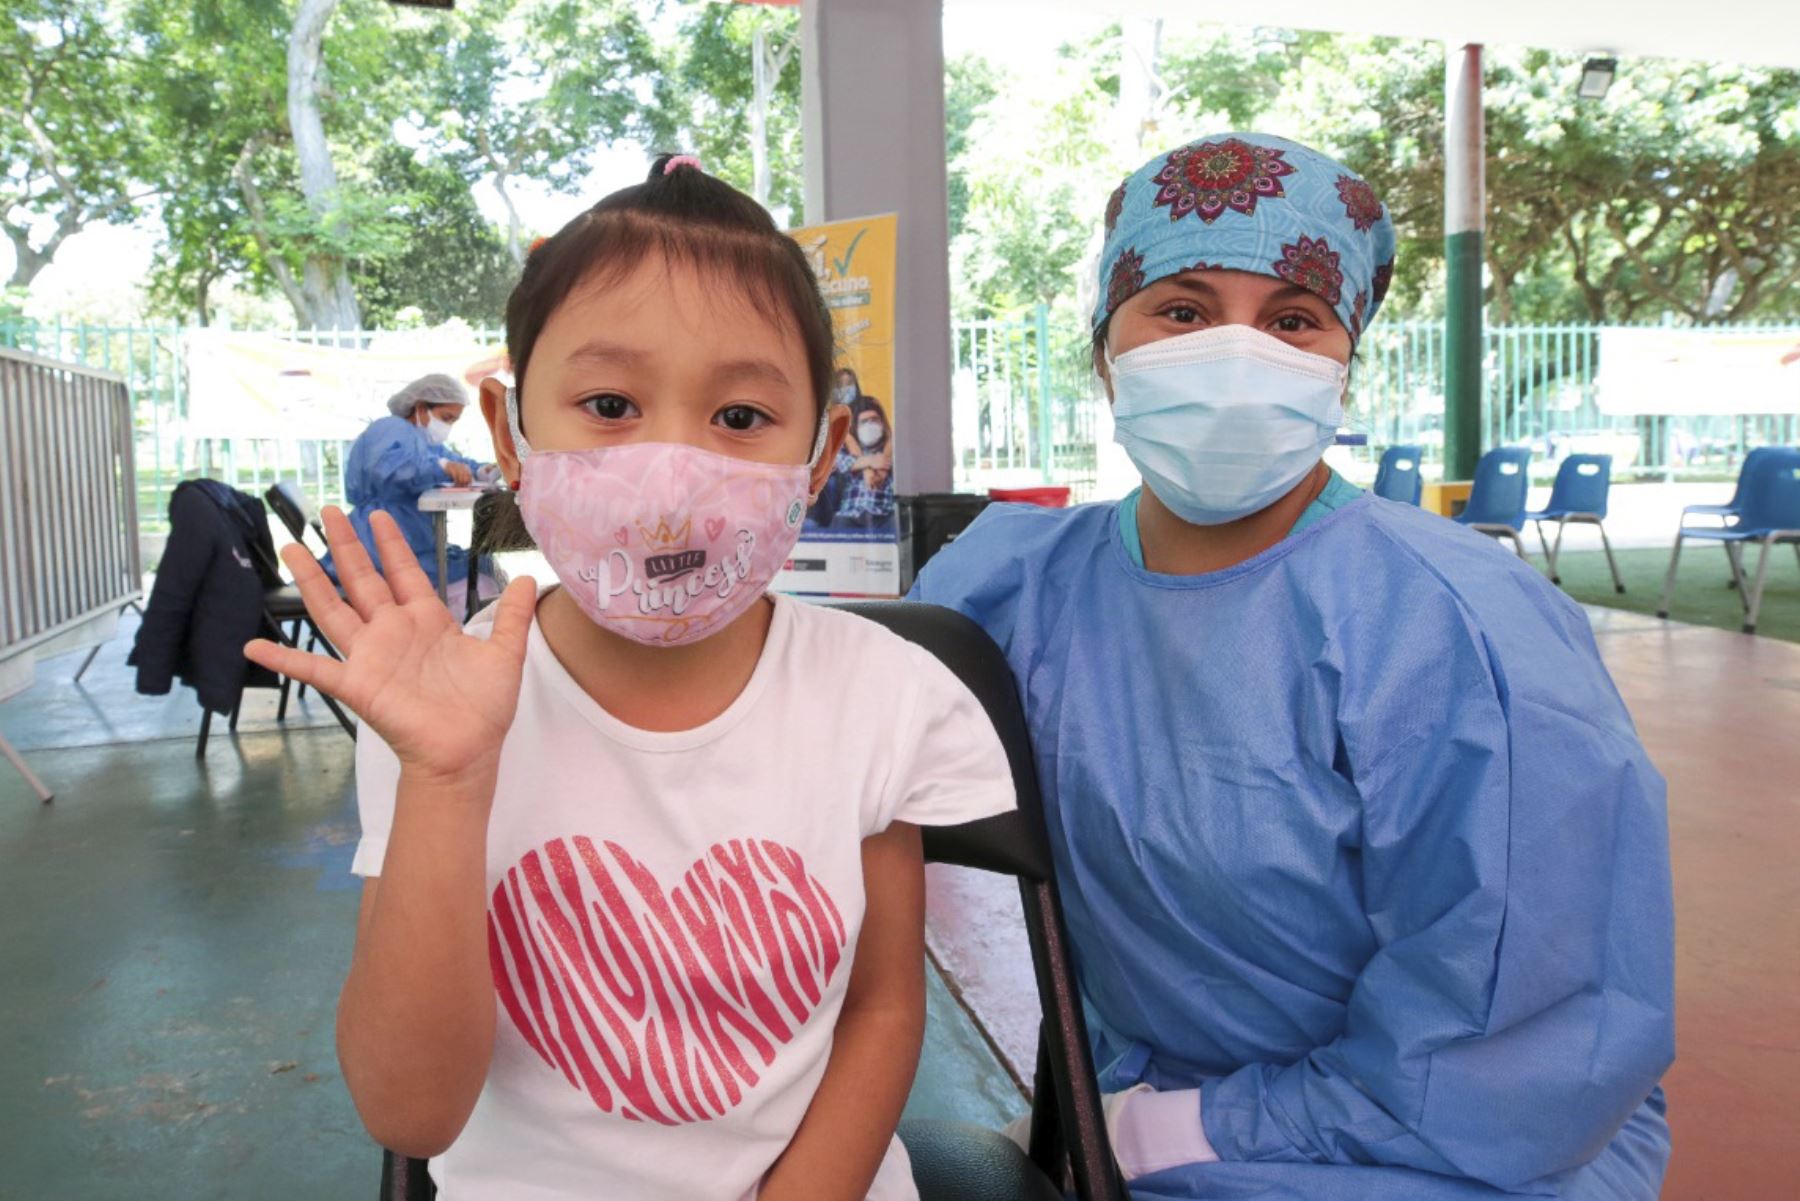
x,y
668,584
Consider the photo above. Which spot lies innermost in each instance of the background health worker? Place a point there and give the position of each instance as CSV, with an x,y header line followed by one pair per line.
x,y
402,456
1366,870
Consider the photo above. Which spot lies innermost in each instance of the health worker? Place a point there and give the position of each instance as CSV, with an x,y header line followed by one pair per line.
x,y
1365,868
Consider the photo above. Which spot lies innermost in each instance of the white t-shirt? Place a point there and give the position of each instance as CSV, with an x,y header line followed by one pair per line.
x,y
672,917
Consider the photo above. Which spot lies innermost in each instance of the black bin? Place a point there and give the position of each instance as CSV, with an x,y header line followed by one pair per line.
x,y
928,522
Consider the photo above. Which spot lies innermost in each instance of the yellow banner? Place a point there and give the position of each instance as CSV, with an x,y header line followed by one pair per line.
x,y
849,547
854,263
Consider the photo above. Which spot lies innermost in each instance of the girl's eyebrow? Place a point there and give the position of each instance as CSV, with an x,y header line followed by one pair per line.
x,y
751,371
601,351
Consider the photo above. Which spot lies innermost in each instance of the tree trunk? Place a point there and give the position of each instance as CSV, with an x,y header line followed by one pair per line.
x,y
766,65
325,279
1140,89
515,226
259,231
27,260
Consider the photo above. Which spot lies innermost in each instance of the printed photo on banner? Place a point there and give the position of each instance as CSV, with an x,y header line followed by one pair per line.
x,y
849,546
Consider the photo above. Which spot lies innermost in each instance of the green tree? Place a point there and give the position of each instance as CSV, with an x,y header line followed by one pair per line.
x,y
705,98
70,128
454,264
1674,194
236,148
970,82
529,89
1038,169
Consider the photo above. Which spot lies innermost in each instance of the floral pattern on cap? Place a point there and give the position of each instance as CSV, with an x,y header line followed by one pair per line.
x,y
1260,204
1208,178
1359,200
1313,265
1127,278
1115,205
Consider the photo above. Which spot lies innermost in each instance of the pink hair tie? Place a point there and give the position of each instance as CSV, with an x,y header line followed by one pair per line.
x,y
681,160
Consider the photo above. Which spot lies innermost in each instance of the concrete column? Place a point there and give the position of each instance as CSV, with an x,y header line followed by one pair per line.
x,y
1465,218
872,116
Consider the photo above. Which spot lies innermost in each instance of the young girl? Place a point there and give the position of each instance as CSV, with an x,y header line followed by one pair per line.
x,y
642,912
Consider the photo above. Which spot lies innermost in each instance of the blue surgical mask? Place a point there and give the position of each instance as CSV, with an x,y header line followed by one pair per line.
x,y
1224,422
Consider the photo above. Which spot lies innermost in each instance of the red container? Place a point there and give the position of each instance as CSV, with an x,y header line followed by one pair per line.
x,y
1050,497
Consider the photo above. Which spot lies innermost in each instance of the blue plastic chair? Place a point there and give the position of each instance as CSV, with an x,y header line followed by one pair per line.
x,y
1729,513
1578,497
1769,515
1398,477
1497,499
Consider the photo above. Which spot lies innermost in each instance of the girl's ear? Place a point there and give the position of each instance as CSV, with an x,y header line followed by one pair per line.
x,y
835,433
493,411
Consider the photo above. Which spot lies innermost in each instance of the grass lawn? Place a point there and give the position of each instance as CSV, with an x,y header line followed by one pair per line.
x,y
1701,593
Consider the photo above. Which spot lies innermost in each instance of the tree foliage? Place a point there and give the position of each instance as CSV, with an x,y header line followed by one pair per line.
x,y
70,129
1674,195
703,97
530,89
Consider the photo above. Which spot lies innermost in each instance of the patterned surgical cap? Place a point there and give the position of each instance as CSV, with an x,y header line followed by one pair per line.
x,y
1249,202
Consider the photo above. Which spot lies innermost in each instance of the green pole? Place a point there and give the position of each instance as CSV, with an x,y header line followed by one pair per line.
x,y
1465,207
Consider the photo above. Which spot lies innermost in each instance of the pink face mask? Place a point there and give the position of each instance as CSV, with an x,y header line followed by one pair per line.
x,y
662,543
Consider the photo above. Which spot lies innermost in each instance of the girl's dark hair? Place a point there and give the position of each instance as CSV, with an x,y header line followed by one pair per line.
x,y
687,216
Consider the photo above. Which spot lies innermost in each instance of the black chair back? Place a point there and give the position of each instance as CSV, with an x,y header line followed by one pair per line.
x,y
1067,1123
286,503
1068,1126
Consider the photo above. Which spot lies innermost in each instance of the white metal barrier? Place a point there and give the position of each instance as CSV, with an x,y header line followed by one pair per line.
x,y
69,559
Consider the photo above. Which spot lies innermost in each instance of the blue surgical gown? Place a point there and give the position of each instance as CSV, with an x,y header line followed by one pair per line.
x,y
390,465
1357,838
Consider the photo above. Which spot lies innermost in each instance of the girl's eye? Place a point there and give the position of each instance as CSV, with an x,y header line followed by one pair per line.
x,y
610,406
1183,314
1294,323
741,419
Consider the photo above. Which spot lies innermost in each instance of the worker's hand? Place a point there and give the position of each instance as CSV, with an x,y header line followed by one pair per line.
x,y
442,699
460,475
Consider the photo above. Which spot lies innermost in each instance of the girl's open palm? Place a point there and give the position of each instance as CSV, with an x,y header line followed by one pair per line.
x,y
442,699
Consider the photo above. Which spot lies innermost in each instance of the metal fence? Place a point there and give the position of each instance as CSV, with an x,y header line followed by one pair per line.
x,y
1023,404
1025,400
1541,391
68,502
152,359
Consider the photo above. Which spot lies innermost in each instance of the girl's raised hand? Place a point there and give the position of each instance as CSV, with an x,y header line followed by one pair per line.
x,y
442,699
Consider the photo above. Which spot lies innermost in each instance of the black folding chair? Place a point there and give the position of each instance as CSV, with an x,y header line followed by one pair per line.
x,y
953,1161
289,505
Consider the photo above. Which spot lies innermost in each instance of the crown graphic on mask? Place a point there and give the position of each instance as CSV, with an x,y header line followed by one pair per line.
x,y
663,539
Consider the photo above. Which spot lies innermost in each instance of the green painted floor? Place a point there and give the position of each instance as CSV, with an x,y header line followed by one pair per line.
x,y
1701,593
175,933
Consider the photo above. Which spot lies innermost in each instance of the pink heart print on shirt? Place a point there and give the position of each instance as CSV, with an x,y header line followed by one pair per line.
x,y
661,1006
